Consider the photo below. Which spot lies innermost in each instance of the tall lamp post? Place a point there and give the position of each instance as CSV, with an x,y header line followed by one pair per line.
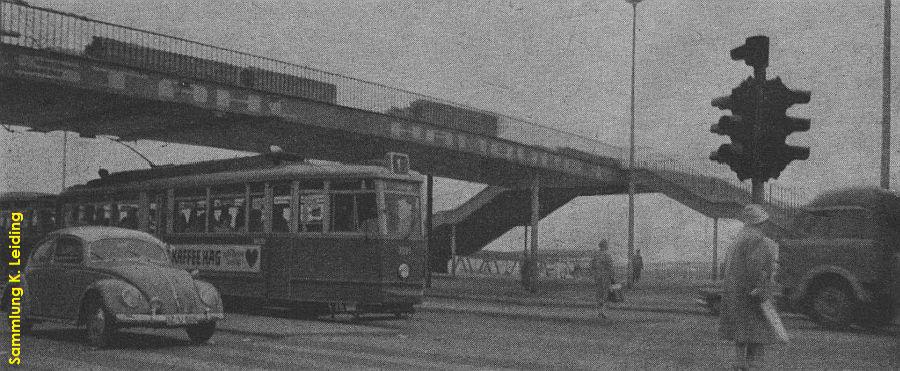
x,y
630,282
886,101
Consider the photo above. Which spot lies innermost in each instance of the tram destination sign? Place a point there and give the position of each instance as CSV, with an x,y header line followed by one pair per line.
x,y
217,258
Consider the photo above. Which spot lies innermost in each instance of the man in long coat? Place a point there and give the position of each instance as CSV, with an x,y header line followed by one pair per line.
x,y
602,269
751,265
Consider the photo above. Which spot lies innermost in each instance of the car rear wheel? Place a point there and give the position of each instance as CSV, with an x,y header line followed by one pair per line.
x,y
100,325
201,332
833,304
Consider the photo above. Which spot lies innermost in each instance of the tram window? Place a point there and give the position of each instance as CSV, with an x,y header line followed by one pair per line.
x,y
228,213
190,210
70,215
228,209
197,223
190,216
256,208
349,211
152,217
366,208
402,215
281,208
312,212
342,213
45,218
128,215
105,215
85,215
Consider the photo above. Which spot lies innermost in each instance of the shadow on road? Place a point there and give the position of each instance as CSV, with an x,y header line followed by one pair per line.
x,y
124,339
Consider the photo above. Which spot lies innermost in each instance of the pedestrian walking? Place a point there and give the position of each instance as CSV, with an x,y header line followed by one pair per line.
x,y
637,266
602,269
749,284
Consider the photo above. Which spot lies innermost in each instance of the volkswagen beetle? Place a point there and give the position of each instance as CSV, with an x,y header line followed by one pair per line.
x,y
107,278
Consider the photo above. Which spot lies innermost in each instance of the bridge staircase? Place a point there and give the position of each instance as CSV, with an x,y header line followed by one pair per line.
x,y
487,216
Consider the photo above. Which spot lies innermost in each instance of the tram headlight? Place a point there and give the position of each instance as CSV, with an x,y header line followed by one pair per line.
x,y
403,271
131,297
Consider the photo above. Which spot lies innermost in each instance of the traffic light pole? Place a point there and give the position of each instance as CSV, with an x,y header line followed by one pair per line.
x,y
757,194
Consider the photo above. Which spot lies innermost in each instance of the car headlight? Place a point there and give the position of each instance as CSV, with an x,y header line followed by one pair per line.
x,y
208,296
131,297
403,271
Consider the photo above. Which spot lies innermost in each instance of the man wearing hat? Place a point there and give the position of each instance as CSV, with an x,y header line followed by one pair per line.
x,y
750,267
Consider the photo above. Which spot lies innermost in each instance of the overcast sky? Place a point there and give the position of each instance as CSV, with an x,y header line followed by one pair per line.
x,y
560,64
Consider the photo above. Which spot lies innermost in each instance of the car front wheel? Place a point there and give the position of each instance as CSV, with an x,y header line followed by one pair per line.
x,y
833,305
100,326
201,332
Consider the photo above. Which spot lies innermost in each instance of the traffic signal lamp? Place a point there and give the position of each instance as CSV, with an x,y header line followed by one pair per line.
x,y
780,157
754,52
736,157
739,127
777,125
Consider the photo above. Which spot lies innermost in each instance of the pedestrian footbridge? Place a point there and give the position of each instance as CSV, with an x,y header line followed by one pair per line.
x,y
61,71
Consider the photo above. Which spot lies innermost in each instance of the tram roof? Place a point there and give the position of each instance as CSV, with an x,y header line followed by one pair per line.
x,y
24,196
243,169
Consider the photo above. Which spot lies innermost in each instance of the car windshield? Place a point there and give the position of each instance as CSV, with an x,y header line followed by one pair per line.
x,y
127,248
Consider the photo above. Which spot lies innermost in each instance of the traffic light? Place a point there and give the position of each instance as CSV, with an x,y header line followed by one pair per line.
x,y
754,52
777,125
738,127
734,155
759,123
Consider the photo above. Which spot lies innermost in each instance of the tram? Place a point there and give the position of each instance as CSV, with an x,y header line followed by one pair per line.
x,y
38,218
275,229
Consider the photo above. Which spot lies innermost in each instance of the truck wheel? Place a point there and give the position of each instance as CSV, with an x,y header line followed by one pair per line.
x,y
100,325
833,304
201,332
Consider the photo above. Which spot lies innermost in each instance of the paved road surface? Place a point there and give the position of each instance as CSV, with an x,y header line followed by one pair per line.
x,y
453,335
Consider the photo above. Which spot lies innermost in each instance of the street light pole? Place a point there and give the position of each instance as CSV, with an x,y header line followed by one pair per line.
x,y
886,101
631,148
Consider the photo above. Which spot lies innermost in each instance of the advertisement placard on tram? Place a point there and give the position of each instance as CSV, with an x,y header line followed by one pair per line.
x,y
217,258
